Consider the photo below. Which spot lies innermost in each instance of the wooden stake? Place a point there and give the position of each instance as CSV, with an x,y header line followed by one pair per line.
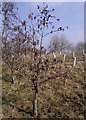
x,y
83,52
54,55
73,54
64,57
74,61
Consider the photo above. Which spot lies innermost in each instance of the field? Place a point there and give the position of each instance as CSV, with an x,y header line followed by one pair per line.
x,y
55,98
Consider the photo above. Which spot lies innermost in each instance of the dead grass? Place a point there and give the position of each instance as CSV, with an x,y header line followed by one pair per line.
x,y
54,101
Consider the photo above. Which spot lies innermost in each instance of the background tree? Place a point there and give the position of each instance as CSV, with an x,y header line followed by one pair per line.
x,y
64,43
13,36
54,44
79,46
71,47
58,44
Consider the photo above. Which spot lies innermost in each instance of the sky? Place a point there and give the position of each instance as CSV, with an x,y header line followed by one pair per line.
x,y
71,14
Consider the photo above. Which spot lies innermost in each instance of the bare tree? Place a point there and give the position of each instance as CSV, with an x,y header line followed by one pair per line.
x,y
71,47
13,37
79,46
54,44
58,43
64,43
16,36
39,23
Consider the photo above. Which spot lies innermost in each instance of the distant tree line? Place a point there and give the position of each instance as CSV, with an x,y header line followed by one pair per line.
x,y
61,44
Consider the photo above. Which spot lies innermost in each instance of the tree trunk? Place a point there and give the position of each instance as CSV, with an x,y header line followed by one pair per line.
x,y
12,73
35,113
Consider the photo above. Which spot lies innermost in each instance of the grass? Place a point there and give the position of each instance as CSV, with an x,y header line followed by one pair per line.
x,y
54,101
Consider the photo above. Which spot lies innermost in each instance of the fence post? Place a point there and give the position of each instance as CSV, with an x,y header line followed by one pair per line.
x,y
74,61
73,54
54,55
64,57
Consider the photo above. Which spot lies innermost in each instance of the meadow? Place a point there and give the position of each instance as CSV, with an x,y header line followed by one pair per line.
x,y
57,97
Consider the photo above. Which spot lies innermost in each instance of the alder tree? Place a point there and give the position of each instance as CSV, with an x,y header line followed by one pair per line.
x,y
37,29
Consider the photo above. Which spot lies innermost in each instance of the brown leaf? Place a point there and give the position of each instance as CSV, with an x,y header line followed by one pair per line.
x,y
38,20
15,28
34,17
34,43
29,16
38,6
28,39
25,34
20,31
33,31
41,22
38,26
60,28
23,23
37,42
25,27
